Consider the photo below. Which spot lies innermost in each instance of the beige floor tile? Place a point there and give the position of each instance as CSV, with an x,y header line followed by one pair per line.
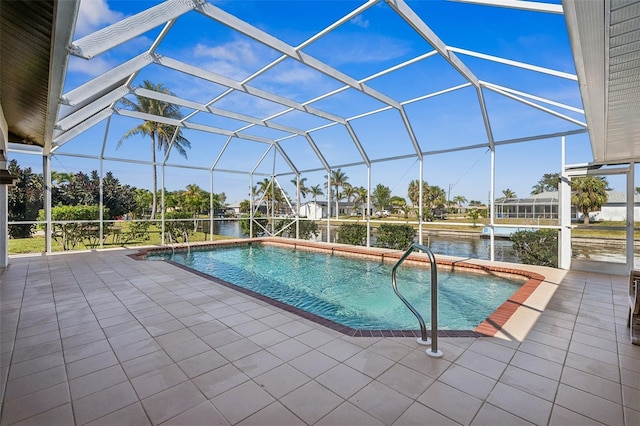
x,y
146,363
203,414
289,349
159,329
220,380
311,402
129,338
631,417
268,337
544,351
103,402
492,350
340,350
35,403
172,402
418,415
274,414
137,349
343,380
348,414
467,381
238,349
35,382
253,397
257,363
421,362
202,363
560,416
593,384
313,363
537,365
631,397
490,415
184,350
532,383
281,380
482,364
593,366
59,416
520,403
131,415
35,365
369,363
158,380
451,402
390,349
315,338
293,328
381,402
599,354
96,381
405,380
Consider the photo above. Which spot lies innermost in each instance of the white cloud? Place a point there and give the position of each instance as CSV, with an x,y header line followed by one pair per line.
x,y
93,67
360,21
93,15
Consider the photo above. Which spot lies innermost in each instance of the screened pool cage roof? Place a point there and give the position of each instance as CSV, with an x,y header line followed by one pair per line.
x,y
298,94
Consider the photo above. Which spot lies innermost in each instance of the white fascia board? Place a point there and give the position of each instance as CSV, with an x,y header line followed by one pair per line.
x,y
532,6
87,111
80,128
427,33
232,84
64,25
282,47
518,64
129,28
109,78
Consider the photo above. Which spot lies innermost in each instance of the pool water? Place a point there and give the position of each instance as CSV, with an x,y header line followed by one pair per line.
x,y
354,292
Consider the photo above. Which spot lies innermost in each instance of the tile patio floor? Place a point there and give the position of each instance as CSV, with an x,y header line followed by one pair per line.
x,y
99,338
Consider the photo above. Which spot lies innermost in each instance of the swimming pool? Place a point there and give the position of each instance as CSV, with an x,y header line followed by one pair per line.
x,y
356,293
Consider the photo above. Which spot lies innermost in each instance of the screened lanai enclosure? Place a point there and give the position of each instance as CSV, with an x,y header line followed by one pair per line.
x,y
473,96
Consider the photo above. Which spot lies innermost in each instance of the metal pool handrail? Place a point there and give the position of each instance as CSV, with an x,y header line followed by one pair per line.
x,y
423,340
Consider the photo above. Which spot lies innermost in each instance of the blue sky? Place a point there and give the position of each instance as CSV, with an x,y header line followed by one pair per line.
x,y
373,41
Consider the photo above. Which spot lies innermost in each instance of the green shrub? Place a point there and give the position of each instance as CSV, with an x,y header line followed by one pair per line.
x,y
69,235
397,237
308,229
178,230
536,247
135,231
352,233
245,223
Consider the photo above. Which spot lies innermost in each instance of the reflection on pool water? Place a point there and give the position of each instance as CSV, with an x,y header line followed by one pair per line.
x,y
353,292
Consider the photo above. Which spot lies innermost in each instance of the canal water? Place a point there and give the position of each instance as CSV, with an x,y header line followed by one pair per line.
x,y
473,246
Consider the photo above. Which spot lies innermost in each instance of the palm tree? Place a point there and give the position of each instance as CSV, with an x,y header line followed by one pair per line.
x,y
315,191
548,182
338,179
507,194
459,200
361,197
303,189
160,134
589,193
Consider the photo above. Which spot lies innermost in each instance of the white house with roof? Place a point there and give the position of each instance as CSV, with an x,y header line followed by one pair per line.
x,y
545,205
